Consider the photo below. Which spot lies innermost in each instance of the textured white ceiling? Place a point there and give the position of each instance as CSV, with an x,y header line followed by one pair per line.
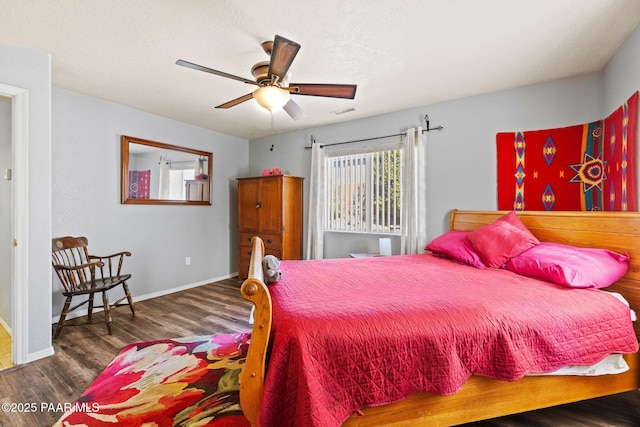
x,y
401,54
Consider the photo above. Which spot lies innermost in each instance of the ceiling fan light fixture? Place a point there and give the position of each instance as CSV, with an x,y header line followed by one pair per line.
x,y
271,97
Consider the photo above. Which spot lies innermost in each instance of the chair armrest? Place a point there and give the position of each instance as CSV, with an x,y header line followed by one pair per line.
x,y
123,253
112,270
75,276
80,266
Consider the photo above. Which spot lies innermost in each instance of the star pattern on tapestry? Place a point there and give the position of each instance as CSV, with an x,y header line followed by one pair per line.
x,y
590,173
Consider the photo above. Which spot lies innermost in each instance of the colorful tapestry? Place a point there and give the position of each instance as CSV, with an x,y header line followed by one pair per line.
x,y
181,382
620,129
589,167
139,184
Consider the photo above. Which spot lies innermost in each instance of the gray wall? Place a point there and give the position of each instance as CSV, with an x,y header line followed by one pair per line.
x,y
461,158
5,212
31,70
86,196
621,75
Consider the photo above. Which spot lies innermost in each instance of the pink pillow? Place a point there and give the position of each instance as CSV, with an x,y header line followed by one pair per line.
x,y
456,246
571,266
502,239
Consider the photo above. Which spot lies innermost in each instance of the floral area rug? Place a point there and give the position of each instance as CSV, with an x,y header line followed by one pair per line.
x,y
176,382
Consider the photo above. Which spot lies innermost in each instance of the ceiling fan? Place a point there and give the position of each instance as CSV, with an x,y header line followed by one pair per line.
x,y
272,77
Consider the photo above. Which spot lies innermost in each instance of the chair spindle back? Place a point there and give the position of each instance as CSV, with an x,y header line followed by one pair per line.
x,y
72,252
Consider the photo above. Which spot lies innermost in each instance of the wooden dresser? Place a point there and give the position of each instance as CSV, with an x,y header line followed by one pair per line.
x,y
198,189
270,207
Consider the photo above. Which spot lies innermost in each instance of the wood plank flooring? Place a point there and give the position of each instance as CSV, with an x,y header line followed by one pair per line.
x,y
5,349
82,352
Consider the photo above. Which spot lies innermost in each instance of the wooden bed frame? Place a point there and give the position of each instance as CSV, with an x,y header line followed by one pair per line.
x,y
480,398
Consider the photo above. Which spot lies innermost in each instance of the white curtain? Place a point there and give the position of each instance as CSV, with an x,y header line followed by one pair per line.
x,y
315,225
414,200
164,188
199,167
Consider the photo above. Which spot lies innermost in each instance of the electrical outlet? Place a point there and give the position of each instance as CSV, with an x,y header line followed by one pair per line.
x,y
187,261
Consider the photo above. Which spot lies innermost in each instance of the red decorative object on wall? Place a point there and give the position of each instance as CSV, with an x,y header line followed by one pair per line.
x,y
139,184
584,167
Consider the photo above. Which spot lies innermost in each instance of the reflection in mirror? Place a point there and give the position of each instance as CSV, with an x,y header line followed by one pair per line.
x,y
158,173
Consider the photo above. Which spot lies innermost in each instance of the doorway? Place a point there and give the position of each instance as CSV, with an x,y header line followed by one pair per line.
x,y
13,218
6,227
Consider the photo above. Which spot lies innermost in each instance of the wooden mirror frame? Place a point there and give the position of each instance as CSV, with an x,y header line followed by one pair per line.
x,y
124,161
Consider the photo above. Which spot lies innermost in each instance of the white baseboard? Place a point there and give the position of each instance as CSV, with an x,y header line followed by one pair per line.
x,y
31,357
6,326
138,298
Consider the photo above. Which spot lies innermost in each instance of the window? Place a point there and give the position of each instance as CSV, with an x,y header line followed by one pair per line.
x,y
177,180
363,192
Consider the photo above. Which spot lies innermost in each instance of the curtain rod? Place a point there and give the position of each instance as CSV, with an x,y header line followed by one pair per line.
x,y
427,129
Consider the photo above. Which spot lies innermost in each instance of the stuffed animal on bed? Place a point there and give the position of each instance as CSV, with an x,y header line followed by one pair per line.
x,y
270,266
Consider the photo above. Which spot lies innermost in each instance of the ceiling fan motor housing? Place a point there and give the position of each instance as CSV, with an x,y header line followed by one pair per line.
x,y
260,72
267,46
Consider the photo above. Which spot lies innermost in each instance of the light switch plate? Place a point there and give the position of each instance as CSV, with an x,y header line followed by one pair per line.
x,y
6,174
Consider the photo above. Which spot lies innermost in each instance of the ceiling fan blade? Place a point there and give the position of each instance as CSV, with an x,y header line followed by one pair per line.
x,y
294,110
236,101
212,71
282,55
320,89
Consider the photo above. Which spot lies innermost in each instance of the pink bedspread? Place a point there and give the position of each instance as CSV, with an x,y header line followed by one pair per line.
x,y
350,333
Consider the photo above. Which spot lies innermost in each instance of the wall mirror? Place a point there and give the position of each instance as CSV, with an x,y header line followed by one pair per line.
x,y
164,174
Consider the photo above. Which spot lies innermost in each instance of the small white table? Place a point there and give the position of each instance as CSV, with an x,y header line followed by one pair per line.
x,y
364,255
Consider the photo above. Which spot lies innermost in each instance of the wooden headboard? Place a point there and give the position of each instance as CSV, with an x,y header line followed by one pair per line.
x,y
617,231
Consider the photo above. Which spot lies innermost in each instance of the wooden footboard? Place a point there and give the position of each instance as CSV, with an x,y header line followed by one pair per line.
x,y
254,290
483,398
480,398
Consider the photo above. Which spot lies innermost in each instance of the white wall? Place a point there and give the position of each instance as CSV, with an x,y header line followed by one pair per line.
x,y
31,70
461,158
86,196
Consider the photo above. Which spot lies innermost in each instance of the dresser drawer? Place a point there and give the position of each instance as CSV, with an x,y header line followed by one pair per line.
x,y
245,239
245,251
244,259
243,267
273,241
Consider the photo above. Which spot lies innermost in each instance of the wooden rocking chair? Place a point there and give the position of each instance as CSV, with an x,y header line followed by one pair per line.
x,y
84,274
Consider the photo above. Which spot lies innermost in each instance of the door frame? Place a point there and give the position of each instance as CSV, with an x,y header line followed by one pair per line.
x,y
20,219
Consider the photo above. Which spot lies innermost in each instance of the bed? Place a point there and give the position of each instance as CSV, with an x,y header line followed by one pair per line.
x,y
480,397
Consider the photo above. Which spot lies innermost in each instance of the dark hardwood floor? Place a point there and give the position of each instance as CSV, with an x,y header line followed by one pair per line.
x,y
82,352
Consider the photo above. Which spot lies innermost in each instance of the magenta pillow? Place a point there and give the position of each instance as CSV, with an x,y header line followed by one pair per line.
x,y
501,240
456,246
571,266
